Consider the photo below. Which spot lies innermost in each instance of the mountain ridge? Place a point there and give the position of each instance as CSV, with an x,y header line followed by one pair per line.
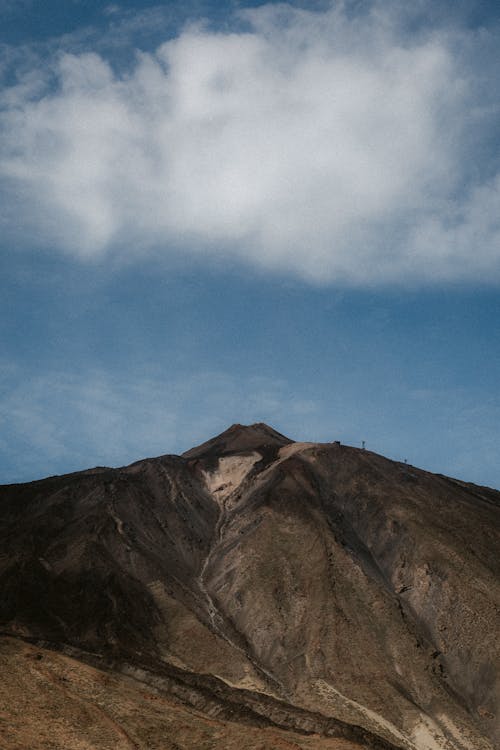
x,y
325,577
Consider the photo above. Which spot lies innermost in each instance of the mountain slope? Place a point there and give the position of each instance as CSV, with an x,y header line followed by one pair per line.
x,y
314,587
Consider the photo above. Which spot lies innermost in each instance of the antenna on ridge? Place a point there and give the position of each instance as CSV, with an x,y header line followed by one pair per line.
x,y
362,445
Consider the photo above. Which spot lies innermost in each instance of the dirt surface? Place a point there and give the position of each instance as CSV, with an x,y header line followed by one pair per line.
x,y
316,591
50,701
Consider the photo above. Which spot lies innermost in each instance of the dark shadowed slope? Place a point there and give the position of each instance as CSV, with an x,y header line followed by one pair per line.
x,y
317,588
239,438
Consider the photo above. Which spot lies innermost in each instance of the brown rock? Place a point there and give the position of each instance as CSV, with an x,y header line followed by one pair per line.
x,y
317,588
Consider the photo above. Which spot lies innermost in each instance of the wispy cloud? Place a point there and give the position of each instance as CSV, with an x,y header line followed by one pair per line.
x,y
332,146
62,421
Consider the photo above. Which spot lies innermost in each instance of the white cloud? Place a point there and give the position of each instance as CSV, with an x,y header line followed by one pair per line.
x,y
317,144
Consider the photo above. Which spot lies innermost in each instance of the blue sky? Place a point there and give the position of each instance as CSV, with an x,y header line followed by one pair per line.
x,y
228,212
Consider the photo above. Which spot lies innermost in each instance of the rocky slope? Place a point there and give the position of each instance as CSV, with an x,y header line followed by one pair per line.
x,y
307,593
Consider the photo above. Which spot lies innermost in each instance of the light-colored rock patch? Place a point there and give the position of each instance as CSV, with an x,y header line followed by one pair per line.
x,y
427,736
290,450
230,473
374,719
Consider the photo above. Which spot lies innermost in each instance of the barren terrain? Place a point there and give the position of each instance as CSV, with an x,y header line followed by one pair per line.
x,y
253,593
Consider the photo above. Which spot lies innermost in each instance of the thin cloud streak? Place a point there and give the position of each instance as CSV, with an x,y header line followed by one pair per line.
x,y
331,147
57,422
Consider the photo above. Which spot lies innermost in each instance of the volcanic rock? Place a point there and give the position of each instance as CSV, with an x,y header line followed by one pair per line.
x,y
262,592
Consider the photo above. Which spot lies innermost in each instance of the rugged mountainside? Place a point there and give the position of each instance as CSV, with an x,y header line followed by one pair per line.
x,y
263,593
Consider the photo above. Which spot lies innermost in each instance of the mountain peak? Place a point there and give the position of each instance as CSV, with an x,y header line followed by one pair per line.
x,y
239,438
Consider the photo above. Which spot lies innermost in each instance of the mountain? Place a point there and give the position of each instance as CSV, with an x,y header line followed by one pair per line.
x,y
254,593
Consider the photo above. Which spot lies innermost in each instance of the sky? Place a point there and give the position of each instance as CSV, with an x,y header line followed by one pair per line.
x,y
219,212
